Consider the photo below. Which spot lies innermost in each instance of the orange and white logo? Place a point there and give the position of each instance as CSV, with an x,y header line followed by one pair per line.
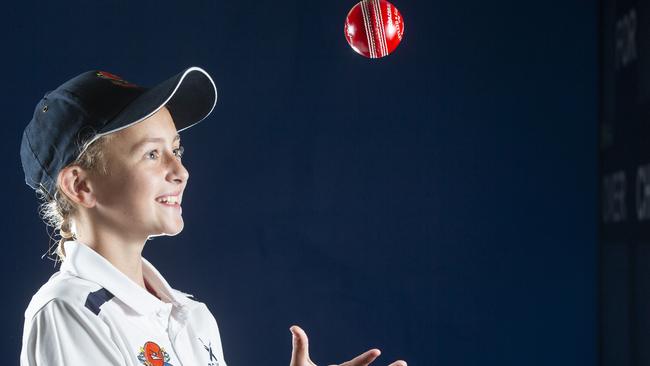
x,y
152,355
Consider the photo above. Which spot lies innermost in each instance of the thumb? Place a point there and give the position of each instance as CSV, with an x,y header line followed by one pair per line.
x,y
300,352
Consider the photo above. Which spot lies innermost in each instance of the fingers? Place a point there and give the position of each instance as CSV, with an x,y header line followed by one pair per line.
x,y
300,352
398,363
300,343
368,357
363,359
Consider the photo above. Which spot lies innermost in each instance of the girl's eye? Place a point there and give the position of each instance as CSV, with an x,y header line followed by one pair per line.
x,y
179,152
153,154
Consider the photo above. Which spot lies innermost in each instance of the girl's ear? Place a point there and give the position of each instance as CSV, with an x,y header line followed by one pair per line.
x,y
76,186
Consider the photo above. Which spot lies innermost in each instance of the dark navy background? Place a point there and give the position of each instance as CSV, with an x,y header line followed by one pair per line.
x,y
439,204
624,156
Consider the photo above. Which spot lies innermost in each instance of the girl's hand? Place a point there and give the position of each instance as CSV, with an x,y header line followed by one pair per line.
x,y
300,353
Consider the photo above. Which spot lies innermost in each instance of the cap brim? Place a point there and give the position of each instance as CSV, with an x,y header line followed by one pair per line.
x,y
190,97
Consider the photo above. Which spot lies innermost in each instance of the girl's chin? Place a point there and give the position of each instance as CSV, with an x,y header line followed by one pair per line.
x,y
177,230
170,230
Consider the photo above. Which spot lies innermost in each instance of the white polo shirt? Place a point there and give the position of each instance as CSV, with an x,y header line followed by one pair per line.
x,y
90,313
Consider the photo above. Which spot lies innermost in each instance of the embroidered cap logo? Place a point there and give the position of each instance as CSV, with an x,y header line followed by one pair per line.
x,y
115,79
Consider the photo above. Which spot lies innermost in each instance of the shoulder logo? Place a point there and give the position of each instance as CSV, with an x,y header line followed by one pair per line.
x,y
152,355
212,361
114,79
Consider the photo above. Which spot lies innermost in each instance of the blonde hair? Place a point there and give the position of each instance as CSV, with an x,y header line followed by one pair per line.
x,y
57,210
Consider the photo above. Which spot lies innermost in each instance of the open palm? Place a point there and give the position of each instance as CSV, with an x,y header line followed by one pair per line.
x,y
300,353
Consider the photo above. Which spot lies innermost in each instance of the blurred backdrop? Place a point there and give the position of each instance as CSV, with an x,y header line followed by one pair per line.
x,y
625,184
440,203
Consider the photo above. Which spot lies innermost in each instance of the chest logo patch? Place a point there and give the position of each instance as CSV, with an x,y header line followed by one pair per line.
x,y
152,355
208,348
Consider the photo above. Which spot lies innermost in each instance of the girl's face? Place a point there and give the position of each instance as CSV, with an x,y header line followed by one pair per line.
x,y
142,192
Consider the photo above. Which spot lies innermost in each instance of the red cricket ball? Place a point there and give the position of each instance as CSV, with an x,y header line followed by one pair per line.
x,y
374,28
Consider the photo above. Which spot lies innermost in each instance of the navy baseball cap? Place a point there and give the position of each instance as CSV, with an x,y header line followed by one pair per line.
x,y
96,103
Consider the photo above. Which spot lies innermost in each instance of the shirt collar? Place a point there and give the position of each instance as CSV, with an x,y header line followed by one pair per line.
x,y
84,262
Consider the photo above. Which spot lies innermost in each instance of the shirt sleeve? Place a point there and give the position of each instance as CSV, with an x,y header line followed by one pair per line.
x,y
61,334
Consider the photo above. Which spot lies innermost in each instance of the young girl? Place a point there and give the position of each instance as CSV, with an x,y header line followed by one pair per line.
x,y
105,156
